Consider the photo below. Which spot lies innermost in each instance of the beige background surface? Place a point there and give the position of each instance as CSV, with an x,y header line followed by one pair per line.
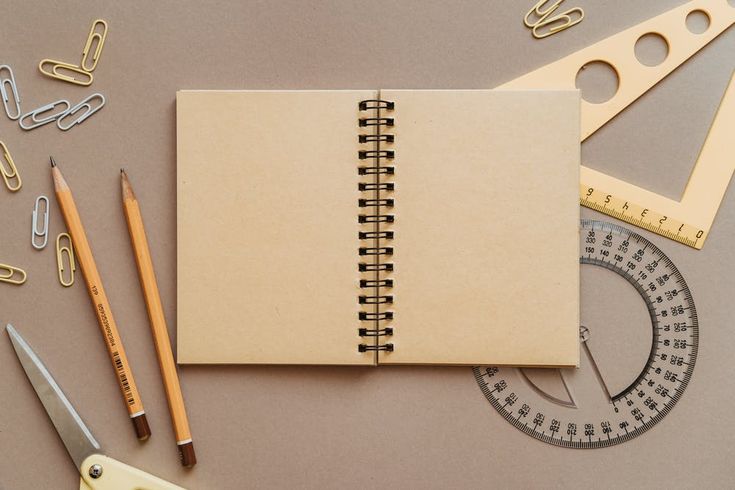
x,y
323,427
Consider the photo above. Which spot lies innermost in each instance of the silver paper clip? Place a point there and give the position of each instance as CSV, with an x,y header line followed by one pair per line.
x,y
85,104
43,110
6,82
43,233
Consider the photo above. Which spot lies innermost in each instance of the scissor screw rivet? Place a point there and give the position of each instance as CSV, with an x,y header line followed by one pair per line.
x,y
95,471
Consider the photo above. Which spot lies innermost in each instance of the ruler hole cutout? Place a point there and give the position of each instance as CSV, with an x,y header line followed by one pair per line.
x,y
688,219
698,21
598,81
651,49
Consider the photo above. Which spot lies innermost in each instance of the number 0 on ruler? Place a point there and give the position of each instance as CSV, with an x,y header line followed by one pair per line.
x,y
687,221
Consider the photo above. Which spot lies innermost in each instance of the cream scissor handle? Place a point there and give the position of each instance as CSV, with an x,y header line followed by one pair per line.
x,y
114,475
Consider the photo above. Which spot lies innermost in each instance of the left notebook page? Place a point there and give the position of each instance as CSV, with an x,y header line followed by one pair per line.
x,y
267,227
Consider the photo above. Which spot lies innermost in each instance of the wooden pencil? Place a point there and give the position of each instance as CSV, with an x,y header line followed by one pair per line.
x,y
115,349
158,323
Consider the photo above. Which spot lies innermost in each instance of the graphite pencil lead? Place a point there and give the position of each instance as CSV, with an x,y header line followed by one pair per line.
x,y
53,163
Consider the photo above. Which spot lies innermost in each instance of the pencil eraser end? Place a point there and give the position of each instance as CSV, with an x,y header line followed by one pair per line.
x,y
186,452
142,430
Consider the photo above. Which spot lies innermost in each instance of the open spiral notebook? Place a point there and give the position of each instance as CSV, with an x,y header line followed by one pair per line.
x,y
378,227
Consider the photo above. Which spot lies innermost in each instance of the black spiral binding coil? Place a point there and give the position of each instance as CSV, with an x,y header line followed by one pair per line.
x,y
376,206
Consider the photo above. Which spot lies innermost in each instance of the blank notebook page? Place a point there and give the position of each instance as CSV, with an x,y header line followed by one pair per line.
x,y
267,227
486,229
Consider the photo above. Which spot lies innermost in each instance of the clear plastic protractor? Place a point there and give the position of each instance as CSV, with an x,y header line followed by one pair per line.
x,y
638,346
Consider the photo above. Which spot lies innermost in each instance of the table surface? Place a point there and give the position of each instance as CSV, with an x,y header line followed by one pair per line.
x,y
322,427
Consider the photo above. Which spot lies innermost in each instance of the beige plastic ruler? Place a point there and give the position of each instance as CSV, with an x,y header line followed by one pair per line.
x,y
687,221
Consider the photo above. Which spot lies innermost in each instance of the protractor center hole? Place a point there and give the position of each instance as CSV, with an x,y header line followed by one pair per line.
x,y
598,81
651,49
698,20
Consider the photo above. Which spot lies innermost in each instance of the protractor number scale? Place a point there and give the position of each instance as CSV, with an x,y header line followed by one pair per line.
x,y
638,346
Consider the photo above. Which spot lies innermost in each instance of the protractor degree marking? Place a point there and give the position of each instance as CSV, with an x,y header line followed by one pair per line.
x,y
656,389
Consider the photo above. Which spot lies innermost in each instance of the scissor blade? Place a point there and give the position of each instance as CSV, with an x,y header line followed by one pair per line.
x,y
77,438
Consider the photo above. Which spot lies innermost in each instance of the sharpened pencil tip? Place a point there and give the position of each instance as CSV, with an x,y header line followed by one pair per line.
x,y
122,170
53,163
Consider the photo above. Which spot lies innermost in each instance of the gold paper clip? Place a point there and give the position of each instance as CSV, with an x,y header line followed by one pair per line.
x,y
8,175
5,83
93,37
57,66
8,274
69,249
556,24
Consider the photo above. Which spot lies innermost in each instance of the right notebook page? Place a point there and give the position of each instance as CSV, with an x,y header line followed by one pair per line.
x,y
486,247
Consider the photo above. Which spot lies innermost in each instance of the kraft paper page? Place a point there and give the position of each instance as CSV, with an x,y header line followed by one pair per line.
x,y
267,227
486,232
267,260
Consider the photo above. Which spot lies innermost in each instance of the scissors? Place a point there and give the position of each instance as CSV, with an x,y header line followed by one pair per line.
x,y
98,472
